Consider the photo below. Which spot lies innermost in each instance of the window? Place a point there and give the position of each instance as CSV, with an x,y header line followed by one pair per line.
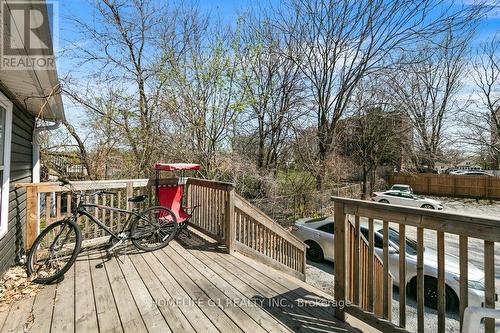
x,y
5,142
329,228
378,240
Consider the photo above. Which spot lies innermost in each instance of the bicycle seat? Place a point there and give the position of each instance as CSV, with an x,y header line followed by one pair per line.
x,y
137,198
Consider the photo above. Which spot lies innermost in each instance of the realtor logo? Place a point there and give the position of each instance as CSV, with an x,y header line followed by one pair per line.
x,y
28,34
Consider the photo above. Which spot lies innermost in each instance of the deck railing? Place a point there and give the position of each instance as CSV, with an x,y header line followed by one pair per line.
x,y
219,214
367,293
463,227
50,201
259,237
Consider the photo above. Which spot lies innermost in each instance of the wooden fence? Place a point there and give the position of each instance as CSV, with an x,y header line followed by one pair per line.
x,y
473,186
464,227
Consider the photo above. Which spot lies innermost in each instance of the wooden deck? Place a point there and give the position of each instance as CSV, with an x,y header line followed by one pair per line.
x,y
190,286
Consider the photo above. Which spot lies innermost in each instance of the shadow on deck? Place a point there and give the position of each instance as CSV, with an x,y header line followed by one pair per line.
x,y
190,286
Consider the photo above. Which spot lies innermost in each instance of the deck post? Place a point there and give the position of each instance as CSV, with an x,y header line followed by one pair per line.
x,y
130,192
230,222
31,216
340,281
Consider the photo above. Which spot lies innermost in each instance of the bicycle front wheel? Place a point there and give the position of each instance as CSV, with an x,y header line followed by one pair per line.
x,y
54,251
154,228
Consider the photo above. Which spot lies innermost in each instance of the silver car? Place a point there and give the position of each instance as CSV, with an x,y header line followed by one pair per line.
x,y
318,234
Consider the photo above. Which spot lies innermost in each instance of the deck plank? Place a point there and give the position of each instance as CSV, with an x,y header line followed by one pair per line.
x,y
268,322
130,315
85,313
226,303
216,315
107,312
3,316
19,316
278,305
150,313
63,318
198,319
190,286
42,310
171,312
316,314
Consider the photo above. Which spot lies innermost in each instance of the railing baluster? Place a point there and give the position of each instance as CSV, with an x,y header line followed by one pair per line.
x,y
402,276
441,288
112,213
69,202
420,280
96,212
48,208
119,205
58,205
464,276
386,269
489,283
371,260
356,272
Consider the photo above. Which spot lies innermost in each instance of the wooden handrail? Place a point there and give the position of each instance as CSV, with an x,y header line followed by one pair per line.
x,y
262,239
485,229
458,224
249,209
217,207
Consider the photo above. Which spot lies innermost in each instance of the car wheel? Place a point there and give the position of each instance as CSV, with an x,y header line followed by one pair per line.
x,y
314,252
383,201
427,206
430,294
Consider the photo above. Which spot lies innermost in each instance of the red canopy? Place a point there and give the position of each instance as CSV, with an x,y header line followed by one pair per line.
x,y
176,166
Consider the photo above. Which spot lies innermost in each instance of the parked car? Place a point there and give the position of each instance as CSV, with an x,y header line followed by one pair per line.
x,y
402,188
457,172
406,199
318,234
475,173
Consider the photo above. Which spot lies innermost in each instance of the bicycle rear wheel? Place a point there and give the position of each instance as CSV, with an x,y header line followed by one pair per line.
x,y
54,251
154,228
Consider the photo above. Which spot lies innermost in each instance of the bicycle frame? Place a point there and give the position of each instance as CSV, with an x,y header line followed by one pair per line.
x,y
82,211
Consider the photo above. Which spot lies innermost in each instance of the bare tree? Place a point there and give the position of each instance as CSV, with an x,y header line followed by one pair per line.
x,y
121,50
426,89
273,89
374,132
337,43
201,94
482,124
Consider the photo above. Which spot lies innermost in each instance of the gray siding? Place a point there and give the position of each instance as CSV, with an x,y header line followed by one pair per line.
x,y
11,245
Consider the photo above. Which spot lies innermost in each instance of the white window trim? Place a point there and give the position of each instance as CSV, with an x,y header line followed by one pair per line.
x,y
4,204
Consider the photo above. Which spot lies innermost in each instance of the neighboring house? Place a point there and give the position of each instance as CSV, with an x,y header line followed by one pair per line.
x,y
468,165
25,95
396,122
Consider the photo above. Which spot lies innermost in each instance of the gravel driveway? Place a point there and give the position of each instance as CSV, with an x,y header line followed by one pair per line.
x,y
321,274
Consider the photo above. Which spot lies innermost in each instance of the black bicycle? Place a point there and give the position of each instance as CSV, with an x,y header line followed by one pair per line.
x,y
56,248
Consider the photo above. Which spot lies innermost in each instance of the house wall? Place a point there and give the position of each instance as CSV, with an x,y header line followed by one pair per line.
x,y
11,245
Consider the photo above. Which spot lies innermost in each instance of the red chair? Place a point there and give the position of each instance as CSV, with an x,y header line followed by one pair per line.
x,y
171,195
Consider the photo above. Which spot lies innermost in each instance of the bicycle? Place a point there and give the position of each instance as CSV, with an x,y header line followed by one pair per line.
x,y
56,248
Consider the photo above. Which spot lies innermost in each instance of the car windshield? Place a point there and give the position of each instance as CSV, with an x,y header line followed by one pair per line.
x,y
411,245
317,219
400,188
